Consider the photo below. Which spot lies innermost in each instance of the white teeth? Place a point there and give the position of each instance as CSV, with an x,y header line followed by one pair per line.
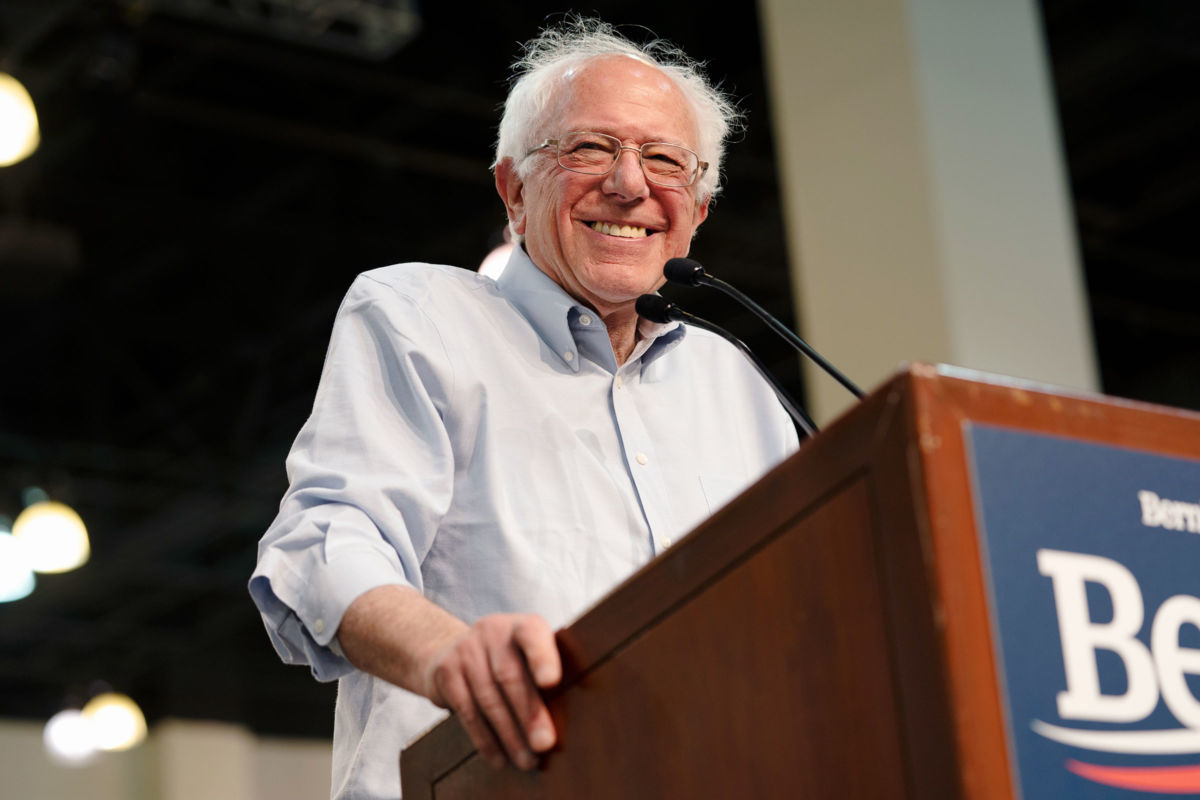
x,y
625,231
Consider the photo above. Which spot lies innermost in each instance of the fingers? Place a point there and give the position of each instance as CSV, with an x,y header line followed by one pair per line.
x,y
457,695
536,642
490,677
503,691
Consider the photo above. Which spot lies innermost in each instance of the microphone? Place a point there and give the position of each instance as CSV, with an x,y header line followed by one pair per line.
x,y
687,272
657,308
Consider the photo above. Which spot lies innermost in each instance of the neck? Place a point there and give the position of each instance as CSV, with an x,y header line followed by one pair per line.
x,y
622,326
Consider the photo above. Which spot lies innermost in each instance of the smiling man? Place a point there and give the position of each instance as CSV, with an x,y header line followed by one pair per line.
x,y
485,459
607,203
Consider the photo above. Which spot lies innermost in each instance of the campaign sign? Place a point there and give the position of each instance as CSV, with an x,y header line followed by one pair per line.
x,y
1092,557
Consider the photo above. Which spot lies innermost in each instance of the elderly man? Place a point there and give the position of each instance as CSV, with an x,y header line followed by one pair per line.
x,y
485,460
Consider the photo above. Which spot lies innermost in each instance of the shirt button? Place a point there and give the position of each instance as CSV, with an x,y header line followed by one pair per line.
x,y
667,543
620,381
569,356
584,319
319,627
641,459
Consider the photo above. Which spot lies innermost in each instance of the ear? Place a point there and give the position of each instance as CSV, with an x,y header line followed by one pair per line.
x,y
699,215
511,189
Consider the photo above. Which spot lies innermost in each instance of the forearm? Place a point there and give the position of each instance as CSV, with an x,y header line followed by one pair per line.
x,y
395,633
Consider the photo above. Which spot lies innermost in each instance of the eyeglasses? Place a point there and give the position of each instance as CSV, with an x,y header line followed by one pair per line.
x,y
596,153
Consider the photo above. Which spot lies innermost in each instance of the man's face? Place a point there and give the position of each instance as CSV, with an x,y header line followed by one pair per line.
x,y
559,211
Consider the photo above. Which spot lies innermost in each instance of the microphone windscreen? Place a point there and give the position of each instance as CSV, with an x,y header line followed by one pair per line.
x,y
653,307
683,270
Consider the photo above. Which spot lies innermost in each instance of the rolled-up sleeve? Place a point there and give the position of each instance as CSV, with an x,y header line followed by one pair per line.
x,y
370,476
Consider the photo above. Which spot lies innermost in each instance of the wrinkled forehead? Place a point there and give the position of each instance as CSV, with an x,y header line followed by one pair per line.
x,y
616,92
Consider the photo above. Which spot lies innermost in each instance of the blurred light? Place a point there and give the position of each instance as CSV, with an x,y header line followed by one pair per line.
x,y
33,494
117,722
16,578
19,135
69,738
495,261
54,537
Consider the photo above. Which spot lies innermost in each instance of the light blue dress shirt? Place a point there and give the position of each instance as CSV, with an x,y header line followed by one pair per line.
x,y
476,440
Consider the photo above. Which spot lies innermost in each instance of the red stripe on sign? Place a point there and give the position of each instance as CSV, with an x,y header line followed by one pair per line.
x,y
1161,780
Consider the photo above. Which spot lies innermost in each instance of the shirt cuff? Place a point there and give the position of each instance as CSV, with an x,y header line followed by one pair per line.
x,y
302,615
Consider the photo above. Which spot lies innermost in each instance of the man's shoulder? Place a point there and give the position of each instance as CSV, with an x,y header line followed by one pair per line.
x,y
421,281
432,298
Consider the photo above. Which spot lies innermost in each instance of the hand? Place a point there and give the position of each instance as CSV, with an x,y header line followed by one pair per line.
x,y
488,673
489,676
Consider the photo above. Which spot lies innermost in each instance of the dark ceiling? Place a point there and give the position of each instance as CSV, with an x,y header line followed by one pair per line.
x,y
172,256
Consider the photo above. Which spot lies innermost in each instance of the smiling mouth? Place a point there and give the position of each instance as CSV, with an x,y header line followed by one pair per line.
x,y
621,231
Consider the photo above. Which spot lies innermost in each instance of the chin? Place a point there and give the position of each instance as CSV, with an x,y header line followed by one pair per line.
x,y
624,291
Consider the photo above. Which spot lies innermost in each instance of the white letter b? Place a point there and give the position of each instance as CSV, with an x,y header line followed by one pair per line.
x,y
1081,637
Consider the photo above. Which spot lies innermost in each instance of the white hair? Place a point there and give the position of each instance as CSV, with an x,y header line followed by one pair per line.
x,y
547,57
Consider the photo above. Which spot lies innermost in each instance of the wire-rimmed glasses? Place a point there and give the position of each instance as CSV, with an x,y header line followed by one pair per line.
x,y
590,153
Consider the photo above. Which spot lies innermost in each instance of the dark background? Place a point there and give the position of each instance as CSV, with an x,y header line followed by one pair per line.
x,y
172,257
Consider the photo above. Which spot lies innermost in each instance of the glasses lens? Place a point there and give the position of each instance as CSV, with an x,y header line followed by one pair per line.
x,y
590,153
668,164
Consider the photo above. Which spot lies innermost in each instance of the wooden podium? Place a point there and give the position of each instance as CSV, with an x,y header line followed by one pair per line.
x,y
825,635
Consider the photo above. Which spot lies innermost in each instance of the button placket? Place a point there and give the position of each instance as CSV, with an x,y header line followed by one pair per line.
x,y
648,480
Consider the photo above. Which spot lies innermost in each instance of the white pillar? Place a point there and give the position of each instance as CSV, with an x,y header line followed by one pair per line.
x,y
203,760
924,193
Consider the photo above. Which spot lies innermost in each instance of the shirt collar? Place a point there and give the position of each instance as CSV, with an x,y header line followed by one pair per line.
x,y
550,311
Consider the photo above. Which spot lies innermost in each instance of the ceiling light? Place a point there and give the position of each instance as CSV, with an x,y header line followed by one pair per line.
x,y
54,537
117,722
69,738
19,135
16,577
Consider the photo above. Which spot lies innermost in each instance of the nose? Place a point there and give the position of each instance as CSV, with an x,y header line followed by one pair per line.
x,y
626,179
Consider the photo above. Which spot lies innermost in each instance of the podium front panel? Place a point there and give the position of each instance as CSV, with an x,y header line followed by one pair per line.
x,y
1093,564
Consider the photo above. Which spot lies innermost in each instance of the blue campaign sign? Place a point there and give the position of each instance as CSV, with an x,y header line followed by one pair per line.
x,y
1092,557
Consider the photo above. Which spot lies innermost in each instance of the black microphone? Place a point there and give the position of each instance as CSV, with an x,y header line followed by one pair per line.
x,y
657,308
689,273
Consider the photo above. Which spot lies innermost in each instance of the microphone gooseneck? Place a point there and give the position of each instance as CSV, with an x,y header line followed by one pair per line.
x,y
658,309
688,272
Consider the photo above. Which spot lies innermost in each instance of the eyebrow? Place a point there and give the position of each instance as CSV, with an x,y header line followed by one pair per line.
x,y
615,135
